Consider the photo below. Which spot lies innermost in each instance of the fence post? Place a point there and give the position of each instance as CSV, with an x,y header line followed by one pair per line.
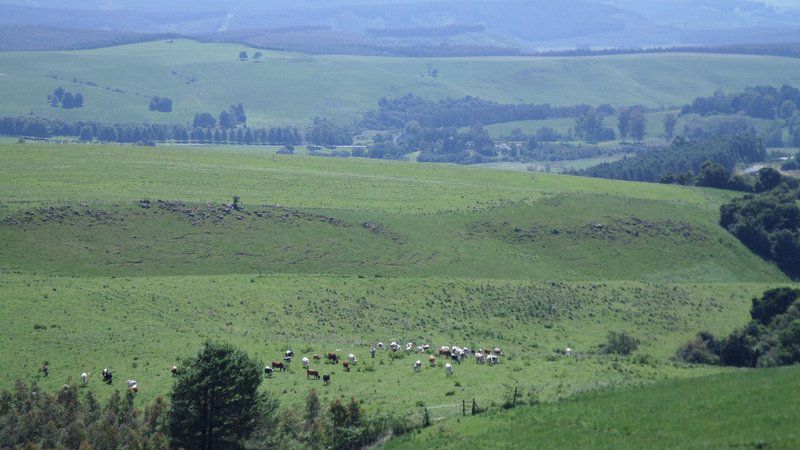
x,y
463,407
427,421
474,407
514,402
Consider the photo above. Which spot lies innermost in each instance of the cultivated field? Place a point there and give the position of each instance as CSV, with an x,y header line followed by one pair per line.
x,y
288,88
336,255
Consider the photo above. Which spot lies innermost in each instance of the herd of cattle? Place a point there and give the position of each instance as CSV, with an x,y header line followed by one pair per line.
x,y
453,353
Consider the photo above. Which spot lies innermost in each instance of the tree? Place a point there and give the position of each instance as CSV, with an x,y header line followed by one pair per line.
x,y
161,104
589,126
714,175
67,101
59,93
624,123
243,55
215,401
77,100
204,120
669,126
768,179
257,56
87,134
638,125
620,343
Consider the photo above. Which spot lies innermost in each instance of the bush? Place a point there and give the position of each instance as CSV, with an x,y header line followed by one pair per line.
x,y
703,349
620,343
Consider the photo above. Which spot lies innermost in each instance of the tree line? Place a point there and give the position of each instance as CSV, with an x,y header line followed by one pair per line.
x,y
682,161
768,222
771,338
762,102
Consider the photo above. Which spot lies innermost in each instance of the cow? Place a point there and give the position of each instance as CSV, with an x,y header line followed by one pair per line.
x,y
316,358
479,358
85,377
326,379
279,366
289,353
492,360
425,347
372,351
380,345
417,365
346,365
409,346
46,369
305,362
432,361
268,371
394,346
135,389
497,351
174,371
332,358
448,369
568,351
420,349
287,359
444,351
312,374
352,358
107,376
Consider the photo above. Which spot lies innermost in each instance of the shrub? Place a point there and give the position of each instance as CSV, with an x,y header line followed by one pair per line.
x,y
703,349
620,343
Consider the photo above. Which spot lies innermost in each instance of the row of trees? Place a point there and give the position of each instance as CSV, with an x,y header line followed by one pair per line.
x,y
229,118
65,99
216,403
771,338
681,157
763,102
768,222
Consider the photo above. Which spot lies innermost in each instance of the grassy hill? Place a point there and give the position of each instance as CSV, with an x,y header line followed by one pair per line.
x,y
287,88
338,254
756,408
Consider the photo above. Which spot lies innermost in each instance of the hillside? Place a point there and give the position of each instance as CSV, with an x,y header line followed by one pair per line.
x,y
336,255
745,409
287,88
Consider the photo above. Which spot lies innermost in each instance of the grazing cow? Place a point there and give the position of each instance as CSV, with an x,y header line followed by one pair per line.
x,y
332,358
432,361
372,351
425,347
419,349
316,358
497,351
46,369
409,346
352,358
479,358
279,366
346,365
174,371
568,351
85,377
394,346
312,374
456,357
268,371
492,360
417,366
289,353
326,379
131,383
448,369
107,376
380,345
287,359
135,389
467,351
305,362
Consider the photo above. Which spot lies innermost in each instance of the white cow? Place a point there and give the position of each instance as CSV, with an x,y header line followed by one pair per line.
x,y
420,349
394,346
492,359
417,365
305,362
380,345
479,358
409,346
568,351
448,369
85,377
131,383
352,358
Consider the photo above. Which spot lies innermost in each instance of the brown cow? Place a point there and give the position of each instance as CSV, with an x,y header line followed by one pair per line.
x,y
312,374
278,365
316,358
346,365
432,360
332,358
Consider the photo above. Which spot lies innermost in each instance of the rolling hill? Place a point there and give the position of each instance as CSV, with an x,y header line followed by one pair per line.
x,y
288,88
130,258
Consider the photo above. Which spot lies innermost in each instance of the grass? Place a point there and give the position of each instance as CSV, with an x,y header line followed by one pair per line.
x,y
288,88
753,408
338,254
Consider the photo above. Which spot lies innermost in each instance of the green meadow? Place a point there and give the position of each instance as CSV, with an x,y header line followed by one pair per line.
x,y
130,258
288,88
